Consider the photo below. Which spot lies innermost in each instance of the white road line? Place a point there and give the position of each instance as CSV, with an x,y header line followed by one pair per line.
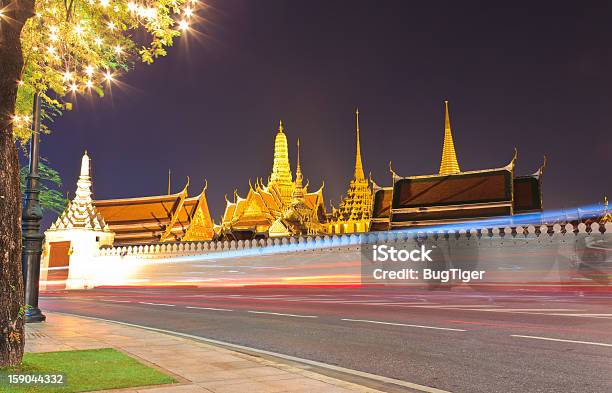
x,y
209,308
527,309
116,301
363,374
458,306
158,304
284,315
562,340
403,324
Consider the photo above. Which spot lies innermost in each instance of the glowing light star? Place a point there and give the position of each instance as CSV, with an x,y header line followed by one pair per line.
x,y
108,76
118,49
73,87
79,29
89,70
20,83
51,50
149,13
183,25
131,6
67,76
104,3
89,84
98,41
53,29
53,37
111,26
188,12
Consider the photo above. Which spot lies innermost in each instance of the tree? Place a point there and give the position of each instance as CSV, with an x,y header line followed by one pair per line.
x,y
60,49
51,199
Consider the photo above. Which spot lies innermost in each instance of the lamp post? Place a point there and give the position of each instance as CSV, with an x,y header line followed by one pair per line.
x,y
32,214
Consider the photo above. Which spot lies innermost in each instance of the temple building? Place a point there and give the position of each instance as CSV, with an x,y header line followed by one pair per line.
x,y
355,210
76,234
454,195
142,220
282,207
159,218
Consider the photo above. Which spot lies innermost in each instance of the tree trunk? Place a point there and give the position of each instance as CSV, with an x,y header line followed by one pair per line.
x,y
15,13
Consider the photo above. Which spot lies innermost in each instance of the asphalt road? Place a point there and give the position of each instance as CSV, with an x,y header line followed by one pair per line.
x,y
454,341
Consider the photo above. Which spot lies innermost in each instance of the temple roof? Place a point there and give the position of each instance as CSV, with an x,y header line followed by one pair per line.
x,y
151,218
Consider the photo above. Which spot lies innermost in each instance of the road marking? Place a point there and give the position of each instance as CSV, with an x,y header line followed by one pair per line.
x,y
525,309
562,340
285,315
209,308
403,324
467,306
362,374
158,304
116,301
587,315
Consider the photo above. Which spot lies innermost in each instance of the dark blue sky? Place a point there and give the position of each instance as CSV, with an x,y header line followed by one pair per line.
x,y
534,76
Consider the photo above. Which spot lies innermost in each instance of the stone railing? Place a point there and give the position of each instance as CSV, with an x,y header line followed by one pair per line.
x,y
326,243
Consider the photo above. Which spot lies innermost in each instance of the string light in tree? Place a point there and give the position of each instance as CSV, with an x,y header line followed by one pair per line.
x,y
81,47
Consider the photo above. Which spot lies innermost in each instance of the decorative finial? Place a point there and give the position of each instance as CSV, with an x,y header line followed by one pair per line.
x,y
358,174
298,155
448,164
280,126
85,165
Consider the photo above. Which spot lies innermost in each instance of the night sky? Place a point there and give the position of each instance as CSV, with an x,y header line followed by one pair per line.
x,y
534,76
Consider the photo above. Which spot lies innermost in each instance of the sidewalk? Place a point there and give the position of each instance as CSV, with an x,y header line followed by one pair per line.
x,y
199,366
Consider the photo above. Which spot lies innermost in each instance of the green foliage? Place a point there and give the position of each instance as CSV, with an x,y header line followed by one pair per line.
x,y
78,47
51,199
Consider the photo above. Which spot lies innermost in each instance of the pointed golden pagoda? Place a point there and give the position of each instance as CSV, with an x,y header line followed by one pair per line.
x,y
298,188
449,164
302,216
281,170
262,212
355,211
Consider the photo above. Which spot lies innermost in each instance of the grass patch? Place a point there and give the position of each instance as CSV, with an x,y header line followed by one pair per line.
x,y
87,370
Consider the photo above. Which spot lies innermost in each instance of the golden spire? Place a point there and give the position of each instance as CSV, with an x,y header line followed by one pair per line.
x,y
169,173
298,190
358,165
449,164
281,169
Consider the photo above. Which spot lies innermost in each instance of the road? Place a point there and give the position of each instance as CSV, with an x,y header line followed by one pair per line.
x,y
454,341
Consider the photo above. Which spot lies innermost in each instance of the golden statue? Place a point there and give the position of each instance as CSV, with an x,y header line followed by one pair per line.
x,y
606,217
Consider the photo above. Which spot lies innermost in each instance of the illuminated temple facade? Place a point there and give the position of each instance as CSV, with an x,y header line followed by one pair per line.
x,y
454,196
282,207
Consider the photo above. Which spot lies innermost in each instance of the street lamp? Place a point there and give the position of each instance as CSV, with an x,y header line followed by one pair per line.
x,y
32,214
